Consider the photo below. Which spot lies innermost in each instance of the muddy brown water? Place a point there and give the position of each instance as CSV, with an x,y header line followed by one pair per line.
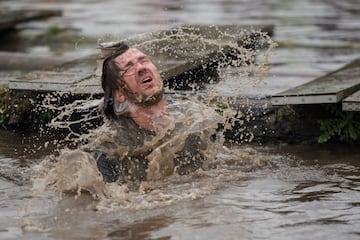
x,y
306,191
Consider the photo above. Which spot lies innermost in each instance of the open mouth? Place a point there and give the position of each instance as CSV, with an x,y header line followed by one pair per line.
x,y
147,80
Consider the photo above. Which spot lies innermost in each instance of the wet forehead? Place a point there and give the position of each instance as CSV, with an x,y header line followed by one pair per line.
x,y
130,55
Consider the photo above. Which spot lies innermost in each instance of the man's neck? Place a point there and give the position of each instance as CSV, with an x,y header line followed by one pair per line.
x,y
151,117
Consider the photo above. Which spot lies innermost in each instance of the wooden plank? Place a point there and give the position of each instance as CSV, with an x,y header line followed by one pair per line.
x,y
9,18
55,81
174,52
185,48
7,76
167,68
331,88
352,103
90,85
29,61
216,34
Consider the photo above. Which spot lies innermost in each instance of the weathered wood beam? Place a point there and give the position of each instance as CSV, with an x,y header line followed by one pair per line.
x,y
331,88
9,18
55,81
352,103
176,51
26,61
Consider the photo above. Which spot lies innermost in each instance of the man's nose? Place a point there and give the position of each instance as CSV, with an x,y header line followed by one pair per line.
x,y
140,67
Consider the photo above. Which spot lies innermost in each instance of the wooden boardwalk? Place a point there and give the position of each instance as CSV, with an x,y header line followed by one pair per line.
x,y
9,18
177,51
331,88
352,103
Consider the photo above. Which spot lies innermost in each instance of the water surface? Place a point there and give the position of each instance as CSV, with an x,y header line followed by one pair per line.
x,y
307,192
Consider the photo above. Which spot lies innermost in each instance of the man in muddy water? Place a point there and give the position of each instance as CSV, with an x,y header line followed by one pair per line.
x,y
150,137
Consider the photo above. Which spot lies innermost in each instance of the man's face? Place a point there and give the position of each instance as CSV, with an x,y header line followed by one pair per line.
x,y
141,77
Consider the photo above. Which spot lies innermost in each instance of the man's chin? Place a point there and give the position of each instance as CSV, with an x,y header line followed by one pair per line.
x,y
150,99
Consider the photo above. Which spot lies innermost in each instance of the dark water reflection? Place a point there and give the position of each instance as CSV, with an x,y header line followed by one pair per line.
x,y
313,192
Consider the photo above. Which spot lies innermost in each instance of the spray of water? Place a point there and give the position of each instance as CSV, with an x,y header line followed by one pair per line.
x,y
75,171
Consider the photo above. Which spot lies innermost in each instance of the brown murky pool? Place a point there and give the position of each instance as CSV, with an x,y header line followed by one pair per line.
x,y
307,192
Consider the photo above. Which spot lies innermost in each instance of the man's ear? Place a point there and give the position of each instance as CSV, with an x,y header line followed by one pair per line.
x,y
121,106
119,97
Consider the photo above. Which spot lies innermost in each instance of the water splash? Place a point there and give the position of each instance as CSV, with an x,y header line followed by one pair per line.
x,y
199,53
75,171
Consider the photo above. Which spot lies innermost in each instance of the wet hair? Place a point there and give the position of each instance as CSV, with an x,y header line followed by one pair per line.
x,y
110,80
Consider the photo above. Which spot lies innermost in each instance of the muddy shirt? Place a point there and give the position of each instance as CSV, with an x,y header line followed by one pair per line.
x,y
127,152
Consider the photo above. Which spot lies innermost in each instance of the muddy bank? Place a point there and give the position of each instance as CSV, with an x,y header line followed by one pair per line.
x,y
250,121
257,121
253,120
